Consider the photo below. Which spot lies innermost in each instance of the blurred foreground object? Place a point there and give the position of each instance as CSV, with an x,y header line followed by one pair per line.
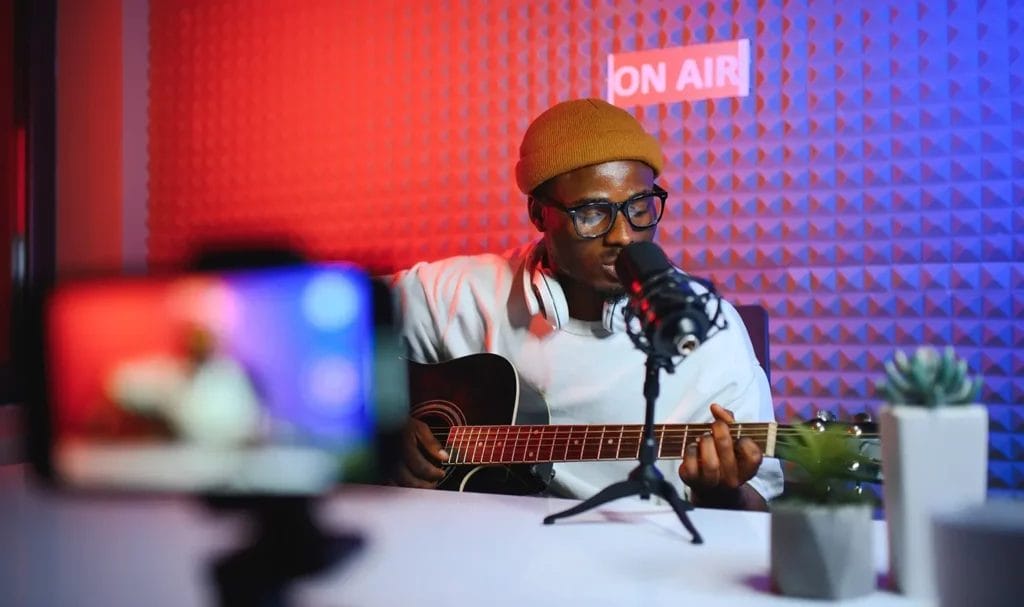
x,y
226,381
206,397
934,455
821,540
979,554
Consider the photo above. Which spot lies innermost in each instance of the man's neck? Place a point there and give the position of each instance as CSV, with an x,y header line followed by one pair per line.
x,y
584,303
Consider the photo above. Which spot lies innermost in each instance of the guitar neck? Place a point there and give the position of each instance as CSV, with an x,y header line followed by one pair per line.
x,y
544,443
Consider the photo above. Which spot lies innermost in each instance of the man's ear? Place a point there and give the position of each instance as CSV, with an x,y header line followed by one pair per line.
x,y
536,211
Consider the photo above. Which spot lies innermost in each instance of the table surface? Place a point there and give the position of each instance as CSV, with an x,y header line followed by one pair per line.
x,y
422,548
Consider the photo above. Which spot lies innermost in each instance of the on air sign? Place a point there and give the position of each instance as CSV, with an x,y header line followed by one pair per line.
x,y
699,71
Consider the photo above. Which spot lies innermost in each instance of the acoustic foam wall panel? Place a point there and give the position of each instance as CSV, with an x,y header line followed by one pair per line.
x,y
869,191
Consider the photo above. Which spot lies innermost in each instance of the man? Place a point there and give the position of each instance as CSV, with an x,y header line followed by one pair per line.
x,y
554,308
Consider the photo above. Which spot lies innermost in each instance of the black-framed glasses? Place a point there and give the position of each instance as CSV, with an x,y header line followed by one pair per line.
x,y
595,218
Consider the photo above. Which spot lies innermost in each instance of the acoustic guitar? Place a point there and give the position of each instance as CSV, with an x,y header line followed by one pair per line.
x,y
495,428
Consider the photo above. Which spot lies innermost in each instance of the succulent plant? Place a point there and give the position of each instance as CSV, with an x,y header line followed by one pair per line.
x,y
824,466
929,379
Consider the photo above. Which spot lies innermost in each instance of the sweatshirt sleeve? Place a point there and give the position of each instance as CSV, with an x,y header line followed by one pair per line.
x,y
448,307
421,332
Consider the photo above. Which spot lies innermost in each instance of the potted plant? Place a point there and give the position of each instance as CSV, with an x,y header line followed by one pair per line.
x,y
934,455
821,535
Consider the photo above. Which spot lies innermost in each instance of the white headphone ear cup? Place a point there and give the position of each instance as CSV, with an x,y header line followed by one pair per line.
x,y
543,294
530,294
551,298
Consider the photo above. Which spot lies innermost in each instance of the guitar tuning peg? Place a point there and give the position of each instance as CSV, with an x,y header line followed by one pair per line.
x,y
825,416
862,418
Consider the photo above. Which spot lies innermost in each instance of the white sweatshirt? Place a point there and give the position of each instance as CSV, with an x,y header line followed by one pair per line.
x,y
586,374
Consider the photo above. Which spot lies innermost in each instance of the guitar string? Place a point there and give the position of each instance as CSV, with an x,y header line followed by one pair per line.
x,y
481,440
565,431
632,427
470,456
762,426
492,440
470,444
597,432
626,428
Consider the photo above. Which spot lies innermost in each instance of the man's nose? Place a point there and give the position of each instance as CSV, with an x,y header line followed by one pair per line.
x,y
621,233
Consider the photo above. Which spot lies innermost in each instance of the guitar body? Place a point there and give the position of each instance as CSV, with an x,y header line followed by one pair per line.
x,y
497,430
479,390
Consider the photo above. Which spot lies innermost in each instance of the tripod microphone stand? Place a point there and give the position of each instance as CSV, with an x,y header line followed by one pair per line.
x,y
669,315
644,480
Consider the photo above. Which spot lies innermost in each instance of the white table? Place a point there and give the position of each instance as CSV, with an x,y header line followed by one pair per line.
x,y
423,548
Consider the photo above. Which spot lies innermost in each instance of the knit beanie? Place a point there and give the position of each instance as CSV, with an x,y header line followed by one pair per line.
x,y
579,133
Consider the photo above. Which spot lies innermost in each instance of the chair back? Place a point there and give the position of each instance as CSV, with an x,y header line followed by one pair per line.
x,y
755,317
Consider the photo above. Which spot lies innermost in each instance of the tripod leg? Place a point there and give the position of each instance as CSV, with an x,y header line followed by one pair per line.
x,y
667,491
609,493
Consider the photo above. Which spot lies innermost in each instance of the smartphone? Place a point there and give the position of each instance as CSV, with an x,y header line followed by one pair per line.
x,y
281,380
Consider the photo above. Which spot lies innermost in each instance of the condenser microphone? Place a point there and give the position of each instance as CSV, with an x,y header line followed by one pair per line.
x,y
666,315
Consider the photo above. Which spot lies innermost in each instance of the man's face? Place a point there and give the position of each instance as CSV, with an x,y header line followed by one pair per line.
x,y
591,262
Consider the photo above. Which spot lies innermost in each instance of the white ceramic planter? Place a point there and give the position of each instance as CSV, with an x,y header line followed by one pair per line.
x,y
822,552
933,461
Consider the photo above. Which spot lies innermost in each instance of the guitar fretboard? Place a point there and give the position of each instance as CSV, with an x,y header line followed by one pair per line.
x,y
530,444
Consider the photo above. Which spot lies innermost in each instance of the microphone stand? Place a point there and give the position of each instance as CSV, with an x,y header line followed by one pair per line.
x,y
645,479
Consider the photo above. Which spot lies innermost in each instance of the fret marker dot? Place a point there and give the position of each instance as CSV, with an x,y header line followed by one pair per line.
x,y
531,454
609,441
576,442
480,443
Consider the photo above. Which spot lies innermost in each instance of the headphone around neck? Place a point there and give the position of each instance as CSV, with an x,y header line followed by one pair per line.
x,y
544,295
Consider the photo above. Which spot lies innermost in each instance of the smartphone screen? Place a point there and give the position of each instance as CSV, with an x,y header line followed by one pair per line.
x,y
262,381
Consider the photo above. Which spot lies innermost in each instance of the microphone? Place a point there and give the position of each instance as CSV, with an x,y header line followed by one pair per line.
x,y
666,316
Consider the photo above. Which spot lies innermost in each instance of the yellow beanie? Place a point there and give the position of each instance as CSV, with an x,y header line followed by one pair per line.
x,y
579,133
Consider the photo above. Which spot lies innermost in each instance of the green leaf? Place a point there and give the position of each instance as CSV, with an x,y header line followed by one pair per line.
x,y
929,378
826,463
896,379
902,362
947,367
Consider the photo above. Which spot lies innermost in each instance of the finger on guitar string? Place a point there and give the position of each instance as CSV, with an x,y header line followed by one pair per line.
x,y
748,458
689,470
710,465
429,442
728,473
422,456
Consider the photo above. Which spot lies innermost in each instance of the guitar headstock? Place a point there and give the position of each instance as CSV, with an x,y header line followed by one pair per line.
x,y
862,425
